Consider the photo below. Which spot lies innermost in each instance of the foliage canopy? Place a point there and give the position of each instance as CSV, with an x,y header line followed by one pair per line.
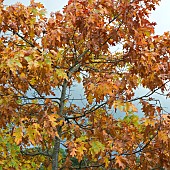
x,y
108,48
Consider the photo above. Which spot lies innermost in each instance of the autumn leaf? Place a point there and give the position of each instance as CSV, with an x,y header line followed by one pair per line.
x,y
73,152
96,147
70,80
106,161
61,74
18,134
81,152
82,139
119,161
22,76
162,135
90,98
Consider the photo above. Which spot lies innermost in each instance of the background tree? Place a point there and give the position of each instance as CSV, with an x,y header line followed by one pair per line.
x,y
42,59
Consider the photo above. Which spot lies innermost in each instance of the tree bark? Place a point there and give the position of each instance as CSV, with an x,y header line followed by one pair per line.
x,y
56,149
55,155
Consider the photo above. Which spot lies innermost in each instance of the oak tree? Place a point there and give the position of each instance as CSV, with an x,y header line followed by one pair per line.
x,y
107,49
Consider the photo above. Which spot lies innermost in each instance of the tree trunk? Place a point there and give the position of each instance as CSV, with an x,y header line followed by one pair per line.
x,y
55,155
56,149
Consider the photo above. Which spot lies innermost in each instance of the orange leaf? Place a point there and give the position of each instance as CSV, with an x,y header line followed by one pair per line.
x,y
119,161
73,152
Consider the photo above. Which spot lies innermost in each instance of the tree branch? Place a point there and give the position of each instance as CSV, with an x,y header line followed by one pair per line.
x,y
28,42
149,93
35,153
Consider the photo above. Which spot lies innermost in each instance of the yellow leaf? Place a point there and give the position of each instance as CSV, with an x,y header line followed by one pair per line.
x,y
90,1
33,81
52,117
61,74
149,122
80,151
32,132
18,135
22,76
106,161
163,136
90,98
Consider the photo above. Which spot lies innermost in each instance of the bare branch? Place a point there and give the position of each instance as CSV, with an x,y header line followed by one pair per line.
x,y
149,93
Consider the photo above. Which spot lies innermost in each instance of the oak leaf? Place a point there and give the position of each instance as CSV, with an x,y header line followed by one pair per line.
x,y
18,134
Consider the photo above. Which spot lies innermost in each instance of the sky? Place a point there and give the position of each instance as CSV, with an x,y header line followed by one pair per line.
x,y
161,16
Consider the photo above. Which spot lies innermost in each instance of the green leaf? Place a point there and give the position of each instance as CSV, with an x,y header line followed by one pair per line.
x,y
18,64
33,81
96,147
42,12
147,33
28,58
82,139
61,73
48,61
19,101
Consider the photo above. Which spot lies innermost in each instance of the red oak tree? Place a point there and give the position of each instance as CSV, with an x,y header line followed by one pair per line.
x,y
107,48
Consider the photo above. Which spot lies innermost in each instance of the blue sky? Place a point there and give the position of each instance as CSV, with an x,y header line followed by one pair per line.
x,y
162,16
